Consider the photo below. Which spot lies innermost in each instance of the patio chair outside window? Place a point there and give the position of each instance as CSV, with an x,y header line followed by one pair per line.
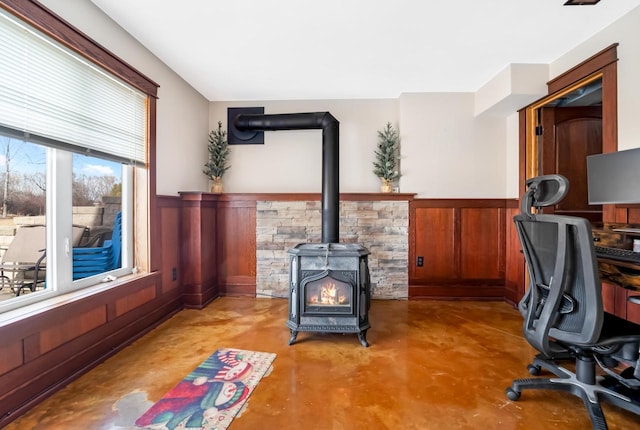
x,y
95,260
23,265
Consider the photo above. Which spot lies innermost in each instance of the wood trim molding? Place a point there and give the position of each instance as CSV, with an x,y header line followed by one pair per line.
x,y
603,63
456,292
53,25
463,203
230,197
587,67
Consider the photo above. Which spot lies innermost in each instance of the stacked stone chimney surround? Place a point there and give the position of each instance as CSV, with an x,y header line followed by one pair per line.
x,y
380,226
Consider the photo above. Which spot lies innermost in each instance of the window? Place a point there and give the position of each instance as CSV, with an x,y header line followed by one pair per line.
x,y
71,136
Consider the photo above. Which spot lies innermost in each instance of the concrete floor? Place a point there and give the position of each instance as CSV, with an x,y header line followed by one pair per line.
x,y
431,365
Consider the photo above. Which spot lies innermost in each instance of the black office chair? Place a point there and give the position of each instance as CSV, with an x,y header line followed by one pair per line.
x,y
563,311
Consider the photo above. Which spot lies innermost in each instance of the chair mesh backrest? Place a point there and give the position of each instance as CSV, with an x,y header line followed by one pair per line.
x,y
564,300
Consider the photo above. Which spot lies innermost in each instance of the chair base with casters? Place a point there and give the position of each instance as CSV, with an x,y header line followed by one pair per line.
x,y
584,383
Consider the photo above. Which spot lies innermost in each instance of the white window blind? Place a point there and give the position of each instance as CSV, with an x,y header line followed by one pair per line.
x,y
53,96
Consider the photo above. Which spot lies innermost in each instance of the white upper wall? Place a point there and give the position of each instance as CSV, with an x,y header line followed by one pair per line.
x,y
182,113
448,152
291,161
447,149
515,86
512,158
626,32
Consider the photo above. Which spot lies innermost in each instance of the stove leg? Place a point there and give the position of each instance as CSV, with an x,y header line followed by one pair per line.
x,y
292,339
362,336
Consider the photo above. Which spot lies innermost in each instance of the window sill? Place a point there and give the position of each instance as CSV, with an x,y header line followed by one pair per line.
x,y
46,305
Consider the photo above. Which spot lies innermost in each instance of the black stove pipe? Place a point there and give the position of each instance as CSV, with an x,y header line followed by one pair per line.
x,y
330,156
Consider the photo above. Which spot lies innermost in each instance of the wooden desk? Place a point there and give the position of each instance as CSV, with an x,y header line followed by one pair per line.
x,y
620,279
620,273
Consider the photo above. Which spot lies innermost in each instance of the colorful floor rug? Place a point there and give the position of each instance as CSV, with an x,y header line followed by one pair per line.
x,y
210,396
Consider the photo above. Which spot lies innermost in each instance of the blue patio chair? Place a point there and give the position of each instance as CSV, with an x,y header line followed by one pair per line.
x,y
93,261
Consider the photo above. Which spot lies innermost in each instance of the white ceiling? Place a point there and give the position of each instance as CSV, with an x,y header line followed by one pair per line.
x,y
344,49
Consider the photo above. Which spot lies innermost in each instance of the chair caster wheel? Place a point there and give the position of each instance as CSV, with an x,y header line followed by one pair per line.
x,y
512,394
533,369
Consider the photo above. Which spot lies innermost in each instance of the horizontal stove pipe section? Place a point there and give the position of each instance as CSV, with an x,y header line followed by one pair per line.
x,y
330,156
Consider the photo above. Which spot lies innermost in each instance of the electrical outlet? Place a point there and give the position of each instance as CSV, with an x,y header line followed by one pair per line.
x,y
420,261
174,274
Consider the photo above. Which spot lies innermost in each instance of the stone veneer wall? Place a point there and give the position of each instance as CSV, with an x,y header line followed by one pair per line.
x,y
380,226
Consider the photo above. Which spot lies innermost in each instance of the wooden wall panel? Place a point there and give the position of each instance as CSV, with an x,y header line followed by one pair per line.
x,y
435,242
198,257
633,216
76,335
514,259
633,309
608,297
74,326
465,242
85,329
134,300
237,246
169,214
223,260
481,246
11,354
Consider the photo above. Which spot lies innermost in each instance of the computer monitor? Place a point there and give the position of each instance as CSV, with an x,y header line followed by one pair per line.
x,y
614,177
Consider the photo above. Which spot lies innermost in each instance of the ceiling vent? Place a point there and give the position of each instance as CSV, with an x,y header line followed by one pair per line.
x,y
581,2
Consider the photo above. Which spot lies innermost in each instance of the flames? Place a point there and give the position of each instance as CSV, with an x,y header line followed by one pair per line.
x,y
328,295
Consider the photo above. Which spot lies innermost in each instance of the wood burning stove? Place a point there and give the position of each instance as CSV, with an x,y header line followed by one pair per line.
x,y
329,282
330,289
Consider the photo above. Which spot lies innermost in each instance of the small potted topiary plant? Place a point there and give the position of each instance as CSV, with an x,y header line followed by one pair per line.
x,y
387,157
219,150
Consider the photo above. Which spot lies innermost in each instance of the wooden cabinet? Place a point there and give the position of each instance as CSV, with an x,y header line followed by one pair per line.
x,y
462,246
616,301
435,242
620,280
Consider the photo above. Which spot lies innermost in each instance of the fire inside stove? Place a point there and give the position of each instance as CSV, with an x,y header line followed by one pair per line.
x,y
328,293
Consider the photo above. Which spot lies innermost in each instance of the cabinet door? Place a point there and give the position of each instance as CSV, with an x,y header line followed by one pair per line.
x,y
481,243
633,309
609,297
616,301
435,243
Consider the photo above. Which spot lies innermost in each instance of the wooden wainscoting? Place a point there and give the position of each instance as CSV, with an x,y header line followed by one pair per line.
x,y
218,246
45,350
237,250
219,240
514,265
169,242
469,246
463,247
198,257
